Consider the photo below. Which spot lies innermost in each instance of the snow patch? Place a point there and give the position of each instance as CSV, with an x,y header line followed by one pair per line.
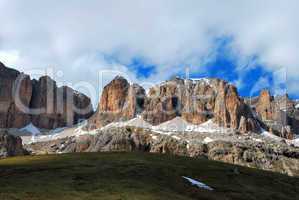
x,y
167,128
154,137
207,140
135,122
176,137
80,131
198,183
270,135
205,81
57,130
267,134
294,142
31,129
257,140
179,125
175,125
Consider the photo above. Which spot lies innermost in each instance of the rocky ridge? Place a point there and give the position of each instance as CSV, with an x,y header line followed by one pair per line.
x,y
240,150
278,114
41,102
195,101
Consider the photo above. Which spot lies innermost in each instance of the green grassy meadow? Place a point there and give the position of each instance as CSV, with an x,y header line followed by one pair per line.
x,y
135,176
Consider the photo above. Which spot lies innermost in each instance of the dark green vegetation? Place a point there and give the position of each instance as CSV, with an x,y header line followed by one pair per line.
x,y
135,176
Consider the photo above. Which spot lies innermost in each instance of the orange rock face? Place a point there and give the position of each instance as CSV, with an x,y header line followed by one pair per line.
x,y
278,114
264,106
114,96
119,101
195,101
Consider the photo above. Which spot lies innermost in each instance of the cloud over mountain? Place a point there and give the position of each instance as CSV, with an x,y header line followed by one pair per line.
x,y
80,38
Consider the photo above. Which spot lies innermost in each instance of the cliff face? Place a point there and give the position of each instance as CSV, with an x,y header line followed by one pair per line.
x,y
195,101
41,102
15,94
278,113
119,101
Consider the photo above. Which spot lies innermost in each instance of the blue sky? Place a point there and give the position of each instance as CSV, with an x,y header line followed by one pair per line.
x,y
252,44
253,78
221,67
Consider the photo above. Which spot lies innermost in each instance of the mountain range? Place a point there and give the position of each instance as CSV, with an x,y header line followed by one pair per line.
x,y
196,118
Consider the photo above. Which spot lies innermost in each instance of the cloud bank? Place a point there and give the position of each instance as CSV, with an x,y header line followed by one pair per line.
x,y
79,38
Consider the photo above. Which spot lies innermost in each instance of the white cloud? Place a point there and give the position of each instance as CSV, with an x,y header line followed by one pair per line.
x,y
74,35
9,57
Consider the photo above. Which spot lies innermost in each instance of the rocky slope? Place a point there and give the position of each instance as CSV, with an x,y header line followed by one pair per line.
x,y
23,100
239,150
196,101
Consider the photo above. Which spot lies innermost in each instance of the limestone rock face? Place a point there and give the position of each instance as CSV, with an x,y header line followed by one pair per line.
x,y
57,107
230,109
10,145
119,101
82,107
277,113
270,108
163,102
15,96
264,106
196,101
114,96
41,102
44,101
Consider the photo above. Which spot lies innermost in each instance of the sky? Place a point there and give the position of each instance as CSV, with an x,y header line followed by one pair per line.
x,y
252,44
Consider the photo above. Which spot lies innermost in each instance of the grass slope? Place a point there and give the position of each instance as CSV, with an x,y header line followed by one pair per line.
x,y
135,176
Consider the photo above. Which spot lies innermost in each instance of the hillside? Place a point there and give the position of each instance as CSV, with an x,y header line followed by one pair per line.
x,y
121,176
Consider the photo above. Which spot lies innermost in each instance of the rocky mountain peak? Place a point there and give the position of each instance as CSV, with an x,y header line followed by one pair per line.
x,y
41,102
196,103
277,113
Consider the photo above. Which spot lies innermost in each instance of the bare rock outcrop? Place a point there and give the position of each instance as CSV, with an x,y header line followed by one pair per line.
x,y
277,113
57,106
264,106
195,101
119,101
41,102
276,157
10,145
15,97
